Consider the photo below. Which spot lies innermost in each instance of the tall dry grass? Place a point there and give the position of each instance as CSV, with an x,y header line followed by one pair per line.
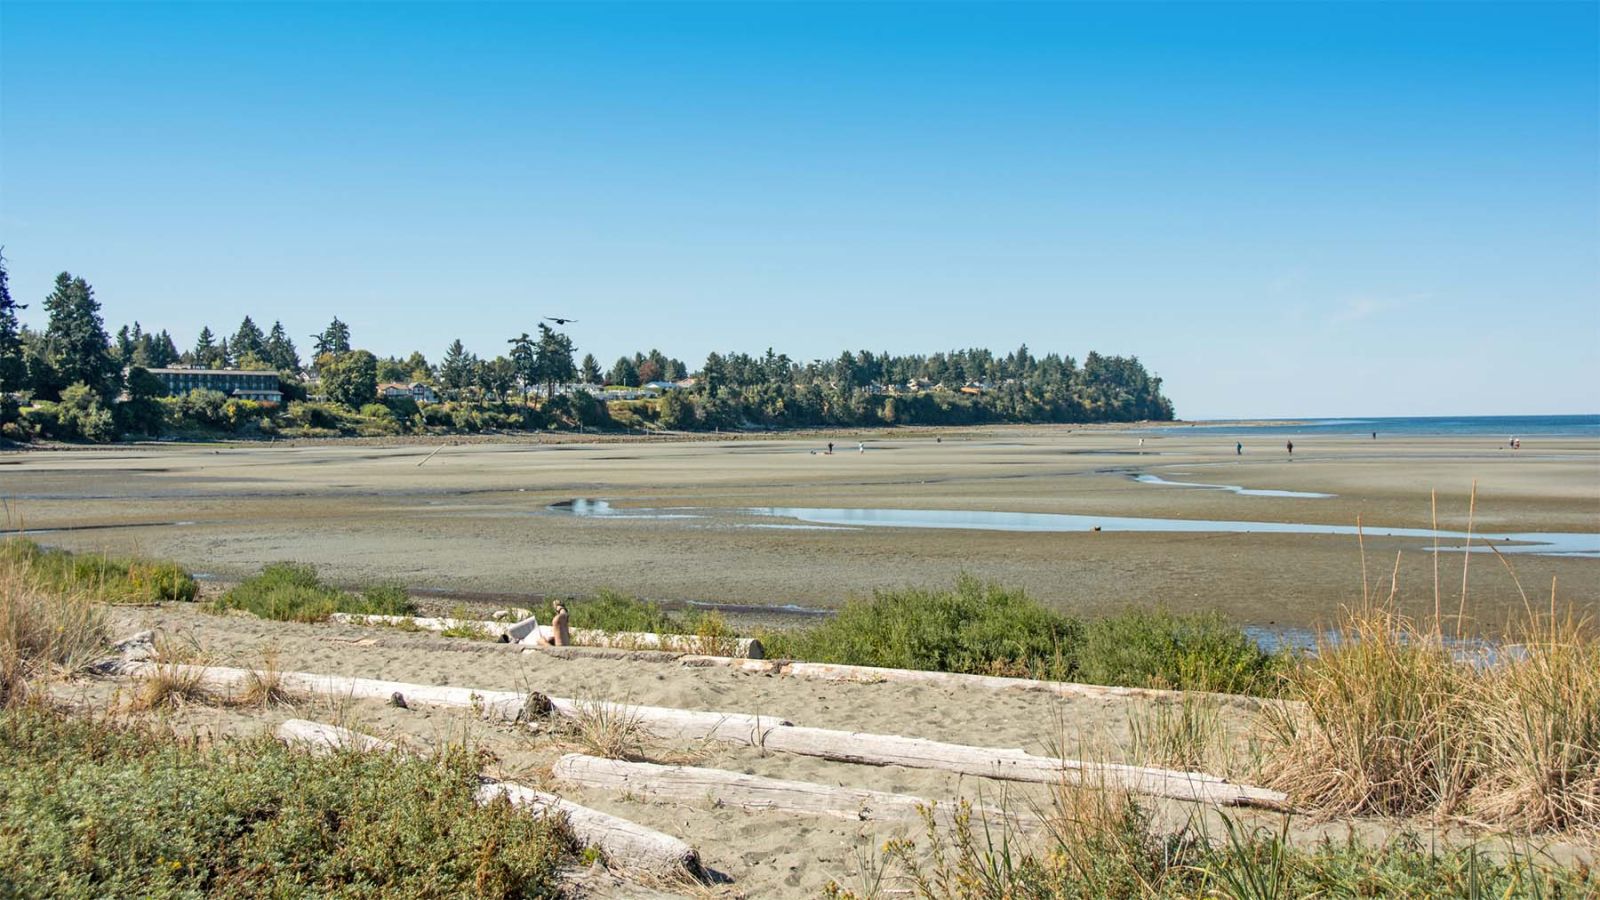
x,y
1398,721
43,632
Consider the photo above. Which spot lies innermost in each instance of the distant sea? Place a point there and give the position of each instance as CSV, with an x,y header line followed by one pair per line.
x,y
1503,427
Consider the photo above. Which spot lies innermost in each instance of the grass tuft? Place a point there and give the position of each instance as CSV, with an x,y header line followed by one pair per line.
x,y
43,632
611,730
1394,723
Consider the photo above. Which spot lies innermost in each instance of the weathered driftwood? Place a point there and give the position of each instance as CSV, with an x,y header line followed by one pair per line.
x,y
690,784
623,842
662,721
529,631
875,674
1014,765
775,735
318,737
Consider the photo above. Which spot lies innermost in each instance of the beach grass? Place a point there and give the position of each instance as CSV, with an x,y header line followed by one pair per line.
x,y
1396,722
1100,843
43,631
99,576
293,592
106,808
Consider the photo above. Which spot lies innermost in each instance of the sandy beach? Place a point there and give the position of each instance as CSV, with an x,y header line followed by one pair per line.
x,y
475,519
763,853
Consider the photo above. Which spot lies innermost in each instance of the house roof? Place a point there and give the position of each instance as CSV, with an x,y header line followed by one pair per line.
x,y
178,370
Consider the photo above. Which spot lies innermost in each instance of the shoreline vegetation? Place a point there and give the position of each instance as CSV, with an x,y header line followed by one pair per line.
x,y
1388,724
75,382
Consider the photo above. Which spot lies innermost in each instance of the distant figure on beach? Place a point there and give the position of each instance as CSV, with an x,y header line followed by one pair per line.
x,y
938,440
1374,435
1141,443
1238,448
830,448
560,636
1291,448
861,447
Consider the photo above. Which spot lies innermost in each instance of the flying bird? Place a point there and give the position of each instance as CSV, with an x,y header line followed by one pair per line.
x,y
558,320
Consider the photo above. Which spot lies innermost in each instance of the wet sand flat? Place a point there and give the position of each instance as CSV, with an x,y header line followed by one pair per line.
x,y
475,517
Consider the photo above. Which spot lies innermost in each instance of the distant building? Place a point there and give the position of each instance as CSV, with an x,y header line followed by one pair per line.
x,y
240,384
416,390
660,385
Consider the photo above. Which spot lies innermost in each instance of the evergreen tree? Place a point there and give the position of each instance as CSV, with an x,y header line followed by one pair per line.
x,y
553,359
589,372
334,339
623,373
525,358
248,340
163,352
456,370
13,371
224,354
206,353
76,339
280,351
124,345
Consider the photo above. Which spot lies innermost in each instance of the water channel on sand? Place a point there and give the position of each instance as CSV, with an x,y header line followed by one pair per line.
x,y
1541,543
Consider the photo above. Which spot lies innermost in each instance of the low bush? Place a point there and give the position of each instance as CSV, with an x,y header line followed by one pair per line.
x,y
987,629
1193,651
97,809
99,576
292,592
611,611
975,628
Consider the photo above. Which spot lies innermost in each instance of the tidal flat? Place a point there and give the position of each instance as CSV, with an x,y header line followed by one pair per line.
x,y
485,518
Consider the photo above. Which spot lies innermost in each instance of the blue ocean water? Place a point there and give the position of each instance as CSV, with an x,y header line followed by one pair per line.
x,y
1502,427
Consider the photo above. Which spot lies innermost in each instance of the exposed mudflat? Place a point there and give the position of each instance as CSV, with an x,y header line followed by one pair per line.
x,y
475,518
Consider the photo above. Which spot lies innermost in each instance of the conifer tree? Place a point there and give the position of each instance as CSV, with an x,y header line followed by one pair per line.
x,y
13,372
76,341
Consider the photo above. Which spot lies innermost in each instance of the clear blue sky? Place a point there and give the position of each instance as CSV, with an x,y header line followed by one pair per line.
x,y
1284,209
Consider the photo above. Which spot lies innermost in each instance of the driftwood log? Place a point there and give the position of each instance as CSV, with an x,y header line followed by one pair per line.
x,y
774,734
623,842
662,721
875,674
530,631
698,786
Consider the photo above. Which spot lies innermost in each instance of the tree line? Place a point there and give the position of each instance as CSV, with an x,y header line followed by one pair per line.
x,y
80,381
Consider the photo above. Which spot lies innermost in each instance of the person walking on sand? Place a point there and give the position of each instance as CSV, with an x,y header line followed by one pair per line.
x,y
560,636
861,446
830,448
1238,448
1291,448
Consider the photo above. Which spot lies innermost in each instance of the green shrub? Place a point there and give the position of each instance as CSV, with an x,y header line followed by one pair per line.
x,y
976,628
1194,651
111,579
611,611
292,592
987,629
97,809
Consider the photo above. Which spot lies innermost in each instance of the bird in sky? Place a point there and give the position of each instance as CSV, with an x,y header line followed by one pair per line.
x,y
558,320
